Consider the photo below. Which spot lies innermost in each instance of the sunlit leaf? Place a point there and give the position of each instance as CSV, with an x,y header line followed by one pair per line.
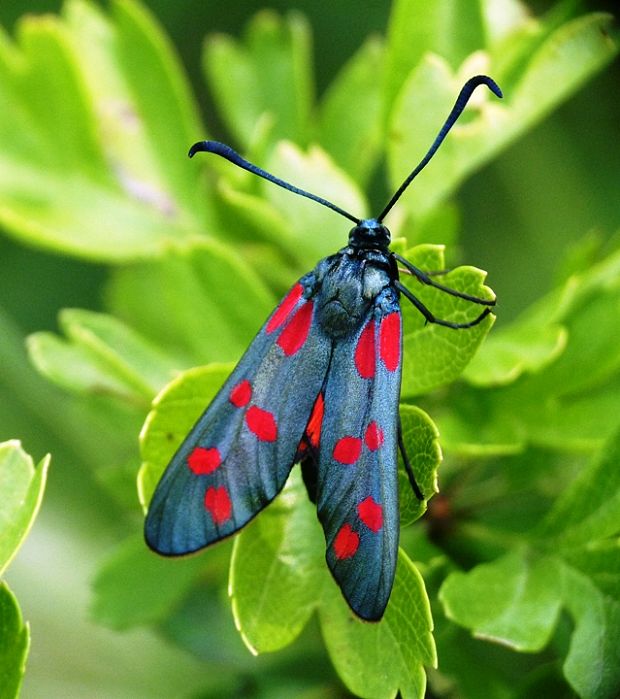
x,y
22,485
93,168
269,72
14,644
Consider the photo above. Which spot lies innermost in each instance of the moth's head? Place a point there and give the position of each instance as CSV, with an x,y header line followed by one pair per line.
x,y
369,234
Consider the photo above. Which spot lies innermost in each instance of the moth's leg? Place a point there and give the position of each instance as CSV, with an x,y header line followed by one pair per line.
x,y
309,473
426,278
430,318
414,484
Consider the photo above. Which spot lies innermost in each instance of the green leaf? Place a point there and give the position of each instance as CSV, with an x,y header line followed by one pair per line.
x,y
317,230
441,224
592,665
101,355
571,55
445,27
135,586
174,412
563,62
118,480
278,570
513,600
22,485
421,439
518,349
268,73
279,577
473,424
599,560
422,106
350,120
252,218
135,113
301,229
574,422
589,508
100,173
435,355
72,216
570,561
43,81
162,101
568,399
376,661
505,419
589,359
14,644
505,673
202,303
504,18
202,624
514,44
533,341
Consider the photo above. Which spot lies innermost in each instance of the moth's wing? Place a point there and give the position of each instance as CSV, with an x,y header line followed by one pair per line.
x,y
238,455
308,451
357,490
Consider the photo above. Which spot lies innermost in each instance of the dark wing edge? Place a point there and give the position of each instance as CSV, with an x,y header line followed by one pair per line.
x,y
238,455
357,491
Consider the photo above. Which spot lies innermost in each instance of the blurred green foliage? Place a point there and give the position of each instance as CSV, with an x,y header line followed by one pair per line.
x,y
156,265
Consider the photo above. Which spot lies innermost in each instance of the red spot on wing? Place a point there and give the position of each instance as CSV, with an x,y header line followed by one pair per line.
x,y
365,351
389,341
348,450
294,335
371,513
262,423
374,436
286,306
204,461
241,394
218,504
313,430
346,542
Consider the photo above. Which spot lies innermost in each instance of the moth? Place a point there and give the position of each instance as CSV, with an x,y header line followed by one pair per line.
x,y
319,385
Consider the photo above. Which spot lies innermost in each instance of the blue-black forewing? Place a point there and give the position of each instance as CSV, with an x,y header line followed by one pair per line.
x,y
238,455
357,489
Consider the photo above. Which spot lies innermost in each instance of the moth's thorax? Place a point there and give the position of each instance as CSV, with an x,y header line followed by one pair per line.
x,y
347,284
369,234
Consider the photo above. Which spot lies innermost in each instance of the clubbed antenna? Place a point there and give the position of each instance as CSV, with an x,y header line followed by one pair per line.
x,y
459,106
227,152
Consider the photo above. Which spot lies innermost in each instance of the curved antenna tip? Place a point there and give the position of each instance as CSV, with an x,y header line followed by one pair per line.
x,y
489,82
198,147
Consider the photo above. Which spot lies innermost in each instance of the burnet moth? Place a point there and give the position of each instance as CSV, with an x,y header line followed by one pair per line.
x,y
319,385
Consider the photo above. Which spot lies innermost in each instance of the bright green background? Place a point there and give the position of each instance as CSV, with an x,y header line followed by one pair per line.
x,y
557,185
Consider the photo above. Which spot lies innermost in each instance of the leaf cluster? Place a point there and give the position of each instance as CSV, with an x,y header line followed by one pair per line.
x,y
98,115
